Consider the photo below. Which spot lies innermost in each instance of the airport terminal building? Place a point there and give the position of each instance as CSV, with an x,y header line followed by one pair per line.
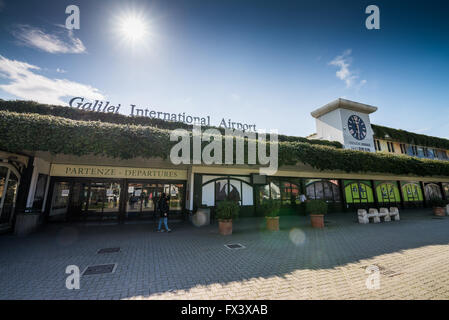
x,y
67,164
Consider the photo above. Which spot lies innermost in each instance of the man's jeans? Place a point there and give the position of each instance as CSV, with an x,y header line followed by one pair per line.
x,y
165,223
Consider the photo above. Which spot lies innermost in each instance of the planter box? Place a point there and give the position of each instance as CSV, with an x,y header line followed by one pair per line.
x,y
225,227
317,220
439,211
26,224
272,223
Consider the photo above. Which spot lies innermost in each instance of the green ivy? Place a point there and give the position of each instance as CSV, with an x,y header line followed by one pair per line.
x,y
20,106
33,132
409,137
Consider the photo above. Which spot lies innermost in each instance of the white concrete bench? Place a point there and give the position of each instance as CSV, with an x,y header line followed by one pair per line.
x,y
394,213
362,216
374,214
384,213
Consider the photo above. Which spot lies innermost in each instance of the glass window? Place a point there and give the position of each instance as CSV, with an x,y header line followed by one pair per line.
x,y
176,196
9,200
228,187
235,190
289,193
411,192
221,190
3,177
208,194
446,190
264,193
388,192
358,192
275,190
60,200
134,203
39,193
323,189
432,191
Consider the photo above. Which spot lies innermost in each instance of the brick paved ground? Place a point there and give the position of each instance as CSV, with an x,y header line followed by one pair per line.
x,y
296,263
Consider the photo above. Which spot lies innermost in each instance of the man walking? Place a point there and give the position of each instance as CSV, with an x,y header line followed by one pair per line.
x,y
163,209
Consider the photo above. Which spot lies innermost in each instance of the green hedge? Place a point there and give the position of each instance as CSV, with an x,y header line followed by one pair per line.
x,y
409,137
20,106
326,158
33,132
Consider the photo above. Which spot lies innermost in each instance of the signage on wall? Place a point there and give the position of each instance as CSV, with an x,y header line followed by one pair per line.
x,y
87,171
65,193
105,107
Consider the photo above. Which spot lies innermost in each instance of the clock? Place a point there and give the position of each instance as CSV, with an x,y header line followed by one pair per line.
x,y
357,127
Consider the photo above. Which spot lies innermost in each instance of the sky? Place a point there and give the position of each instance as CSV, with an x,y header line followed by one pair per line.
x,y
268,63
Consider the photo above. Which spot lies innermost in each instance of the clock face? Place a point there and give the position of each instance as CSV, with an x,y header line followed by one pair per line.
x,y
357,127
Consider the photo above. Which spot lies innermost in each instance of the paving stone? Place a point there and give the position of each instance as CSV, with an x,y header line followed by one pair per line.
x,y
193,263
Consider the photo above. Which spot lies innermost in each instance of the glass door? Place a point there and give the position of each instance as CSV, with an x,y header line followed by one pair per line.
x,y
150,197
78,201
103,201
143,198
176,194
60,201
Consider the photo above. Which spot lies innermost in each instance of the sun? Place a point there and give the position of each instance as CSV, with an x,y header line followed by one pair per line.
x,y
133,28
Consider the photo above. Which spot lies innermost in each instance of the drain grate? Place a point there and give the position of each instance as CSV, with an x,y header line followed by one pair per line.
x,y
108,250
234,246
100,269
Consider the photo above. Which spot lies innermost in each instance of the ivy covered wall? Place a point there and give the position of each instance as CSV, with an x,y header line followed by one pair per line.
x,y
409,137
78,114
35,132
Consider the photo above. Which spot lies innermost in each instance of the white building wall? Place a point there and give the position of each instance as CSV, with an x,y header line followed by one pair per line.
x,y
329,126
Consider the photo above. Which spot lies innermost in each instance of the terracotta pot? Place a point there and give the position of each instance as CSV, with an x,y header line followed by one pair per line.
x,y
272,223
225,227
439,211
317,220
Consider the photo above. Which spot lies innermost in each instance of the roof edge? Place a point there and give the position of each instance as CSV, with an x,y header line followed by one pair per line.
x,y
344,104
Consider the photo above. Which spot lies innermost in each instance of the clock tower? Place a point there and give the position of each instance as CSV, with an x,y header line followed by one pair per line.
x,y
347,122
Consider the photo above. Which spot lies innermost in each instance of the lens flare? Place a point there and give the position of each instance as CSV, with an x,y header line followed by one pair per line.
x,y
133,28
297,236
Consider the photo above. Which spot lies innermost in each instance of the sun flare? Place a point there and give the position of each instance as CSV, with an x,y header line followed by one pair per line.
x,y
133,28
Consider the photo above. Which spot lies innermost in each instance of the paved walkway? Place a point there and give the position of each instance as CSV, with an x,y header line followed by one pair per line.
x,y
190,263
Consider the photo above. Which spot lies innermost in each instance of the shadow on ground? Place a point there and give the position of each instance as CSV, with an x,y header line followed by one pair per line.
x,y
152,263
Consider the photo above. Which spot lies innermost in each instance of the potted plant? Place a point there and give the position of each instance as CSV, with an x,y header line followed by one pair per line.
x,y
226,211
439,206
270,209
316,209
26,222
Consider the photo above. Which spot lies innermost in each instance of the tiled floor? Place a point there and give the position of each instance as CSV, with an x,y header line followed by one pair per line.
x,y
191,263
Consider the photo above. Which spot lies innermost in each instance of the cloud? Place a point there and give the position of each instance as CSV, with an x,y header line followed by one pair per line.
x,y
26,83
344,73
61,42
59,70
